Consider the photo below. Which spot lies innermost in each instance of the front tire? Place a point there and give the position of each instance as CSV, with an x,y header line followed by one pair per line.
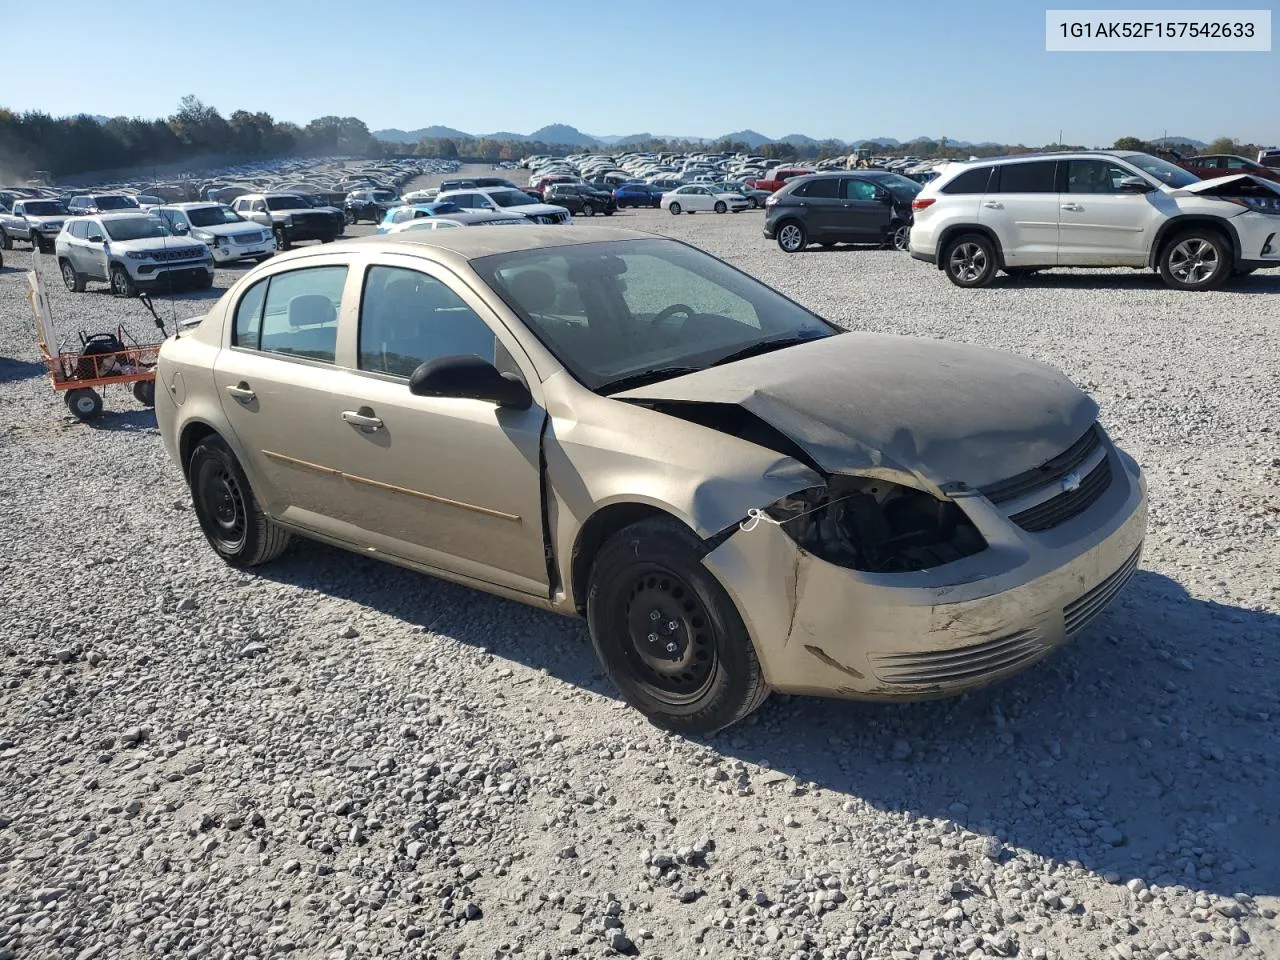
x,y
675,209
791,237
282,239
1196,260
970,261
229,515
6,241
900,236
121,283
84,404
144,391
588,210
701,673
721,207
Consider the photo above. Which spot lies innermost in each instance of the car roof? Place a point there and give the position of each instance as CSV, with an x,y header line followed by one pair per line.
x,y
119,215
193,204
461,246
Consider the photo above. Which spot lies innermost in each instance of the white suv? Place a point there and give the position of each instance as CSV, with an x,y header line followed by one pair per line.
x,y
1094,209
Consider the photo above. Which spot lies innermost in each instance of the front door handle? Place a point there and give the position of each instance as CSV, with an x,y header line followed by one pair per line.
x,y
993,205
362,418
1071,206
242,392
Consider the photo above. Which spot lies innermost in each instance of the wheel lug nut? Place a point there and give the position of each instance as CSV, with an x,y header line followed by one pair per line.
x,y
653,638
671,648
672,625
655,615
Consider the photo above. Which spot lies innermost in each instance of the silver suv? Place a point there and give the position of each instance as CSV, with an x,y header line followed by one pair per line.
x,y
130,251
1094,209
36,221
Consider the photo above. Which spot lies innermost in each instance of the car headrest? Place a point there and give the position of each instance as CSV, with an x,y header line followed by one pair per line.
x,y
534,290
310,309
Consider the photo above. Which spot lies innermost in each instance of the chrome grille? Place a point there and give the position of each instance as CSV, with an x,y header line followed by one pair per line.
x,y
1078,614
959,664
253,237
1069,503
1048,472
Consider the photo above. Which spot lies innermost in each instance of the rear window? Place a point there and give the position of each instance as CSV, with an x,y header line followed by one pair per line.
x,y
1034,177
971,181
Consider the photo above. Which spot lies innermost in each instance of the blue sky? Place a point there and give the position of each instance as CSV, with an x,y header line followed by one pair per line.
x,y
964,69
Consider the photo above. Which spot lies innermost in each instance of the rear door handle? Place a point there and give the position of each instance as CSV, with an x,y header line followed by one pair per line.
x,y
364,419
993,205
242,392
1071,206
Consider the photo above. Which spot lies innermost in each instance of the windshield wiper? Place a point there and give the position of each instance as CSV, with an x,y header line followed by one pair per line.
x,y
764,346
643,378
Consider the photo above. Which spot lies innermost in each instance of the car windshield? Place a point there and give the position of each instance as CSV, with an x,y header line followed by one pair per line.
x,y
116,202
511,198
1162,170
444,206
285,203
135,228
383,195
213,216
44,208
620,313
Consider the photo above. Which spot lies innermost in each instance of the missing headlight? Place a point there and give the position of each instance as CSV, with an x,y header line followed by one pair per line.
x,y
876,526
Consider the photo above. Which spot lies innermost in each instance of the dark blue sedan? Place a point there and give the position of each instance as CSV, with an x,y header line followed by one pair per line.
x,y
638,195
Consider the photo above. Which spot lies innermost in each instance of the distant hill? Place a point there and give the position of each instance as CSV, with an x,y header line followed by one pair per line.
x,y
751,138
413,136
1174,141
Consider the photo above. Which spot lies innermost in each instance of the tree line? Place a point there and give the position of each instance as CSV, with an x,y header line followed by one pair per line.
x,y
69,145
66,146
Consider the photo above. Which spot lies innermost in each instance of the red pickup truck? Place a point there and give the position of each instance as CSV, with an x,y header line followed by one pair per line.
x,y
775,178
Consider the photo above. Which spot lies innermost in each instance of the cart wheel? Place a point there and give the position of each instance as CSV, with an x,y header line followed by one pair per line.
x,y
84,404
144,391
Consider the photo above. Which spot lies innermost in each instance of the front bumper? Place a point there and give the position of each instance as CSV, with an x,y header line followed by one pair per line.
x,y
829,631
1259,236
190,271
233,252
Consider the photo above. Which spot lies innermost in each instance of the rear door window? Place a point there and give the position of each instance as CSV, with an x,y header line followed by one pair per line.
x,y
1036,176
293,313
828,188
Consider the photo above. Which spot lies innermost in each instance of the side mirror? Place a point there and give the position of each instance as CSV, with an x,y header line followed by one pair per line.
x,y
95,238
470,378
1134,185
181,228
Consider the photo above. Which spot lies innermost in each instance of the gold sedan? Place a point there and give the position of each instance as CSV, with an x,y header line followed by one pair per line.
x,y
737,495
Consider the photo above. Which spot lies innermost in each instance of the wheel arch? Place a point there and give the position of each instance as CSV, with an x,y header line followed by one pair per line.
x,y
193,431
955,230
596,531
1171,228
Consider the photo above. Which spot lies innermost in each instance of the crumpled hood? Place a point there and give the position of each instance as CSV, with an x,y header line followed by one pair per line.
x,y
1218,182
858,402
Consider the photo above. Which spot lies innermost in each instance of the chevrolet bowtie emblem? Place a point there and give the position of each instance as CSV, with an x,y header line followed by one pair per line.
x,y
1071,483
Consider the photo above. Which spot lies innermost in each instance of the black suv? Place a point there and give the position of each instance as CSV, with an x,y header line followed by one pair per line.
x,y
864,206
580,198
371,205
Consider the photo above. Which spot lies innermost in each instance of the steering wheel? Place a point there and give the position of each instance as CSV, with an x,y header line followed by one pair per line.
x,y
671,311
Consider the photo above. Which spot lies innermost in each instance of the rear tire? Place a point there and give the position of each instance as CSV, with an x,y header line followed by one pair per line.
x,y
229,515
282,239
71,279
970,260
1197,259
791,237
6,241
144,391
701,674
900,236
1243,271
675,209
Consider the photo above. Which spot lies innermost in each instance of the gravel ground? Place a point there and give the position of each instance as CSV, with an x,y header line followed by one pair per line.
x,y
337,758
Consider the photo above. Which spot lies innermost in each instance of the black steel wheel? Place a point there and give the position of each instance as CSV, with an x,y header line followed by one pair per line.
x,y
668,634
229,515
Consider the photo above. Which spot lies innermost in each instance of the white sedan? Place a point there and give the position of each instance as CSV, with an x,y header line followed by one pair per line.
x,y
694,197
